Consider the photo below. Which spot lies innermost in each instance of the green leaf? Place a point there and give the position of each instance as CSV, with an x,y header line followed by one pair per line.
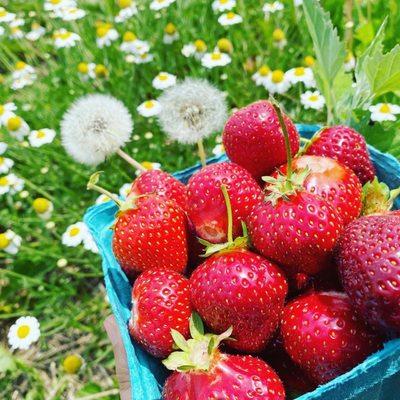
x,y
179,340
196,326
7,362
364,32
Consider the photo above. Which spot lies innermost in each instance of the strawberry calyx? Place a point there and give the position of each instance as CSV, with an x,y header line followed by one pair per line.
x,y
240,242
377,197
200,352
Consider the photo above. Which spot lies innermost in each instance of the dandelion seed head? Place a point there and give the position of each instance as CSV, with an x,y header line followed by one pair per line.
x,y
192,110
94,127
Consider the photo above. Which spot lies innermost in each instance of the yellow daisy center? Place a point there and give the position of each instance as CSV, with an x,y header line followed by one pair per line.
x,y
313,97
144,56
83,68
14,123
149,104
162,77
72,363
100,70
230,15
41,205
74,231
278,35
170,29
40,134
23,331
215,56
1,160
309,61
200,45
384,108
4,181
20,65
225,45
129,36
264,70
147,164
4,240
124,3
223,1
35,26
55,1
3,12
277,76
2,109
300,71
102,30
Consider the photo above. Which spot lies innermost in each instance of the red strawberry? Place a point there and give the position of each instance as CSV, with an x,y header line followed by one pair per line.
x,y
160,302
149,235
162,184
206,202
368,256
345,145
240,289
332,181
253,138
203,372
323,336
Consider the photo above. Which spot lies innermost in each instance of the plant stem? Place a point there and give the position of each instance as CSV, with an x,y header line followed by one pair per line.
x,y
202,153
131,160
93,186
228,212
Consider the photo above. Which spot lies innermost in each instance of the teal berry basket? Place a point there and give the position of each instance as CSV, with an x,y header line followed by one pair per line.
x,y
374,379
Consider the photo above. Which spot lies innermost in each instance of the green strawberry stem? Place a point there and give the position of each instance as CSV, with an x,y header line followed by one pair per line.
x,y
202,152
92,185
131,160
377,197
228,212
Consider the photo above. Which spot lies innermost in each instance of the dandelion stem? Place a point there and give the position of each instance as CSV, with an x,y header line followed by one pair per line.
x,y
228,212
131,160
202,153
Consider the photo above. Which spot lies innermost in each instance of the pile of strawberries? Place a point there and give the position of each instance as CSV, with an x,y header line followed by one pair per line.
x,y
271,254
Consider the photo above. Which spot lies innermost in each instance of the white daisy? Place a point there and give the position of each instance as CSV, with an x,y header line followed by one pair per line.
x,y
197,49
188,50
90,244
105,35
156,5
384,112
24,332
6,16
43,207
277,82
298,3
10,242
124,190
349,62
164,80
6,111
11,184
149,108
42,136
65,39
53,5
215,59
230,18
21,82
36,32
301,74
279,38
5,164
127,10
22,69
313,100
16,126
171,35
131,44
17,22
272,8
86,70
70,13
74,234
219,149
261,76
2,30
139,58
16,32
3,147
223,5
148,165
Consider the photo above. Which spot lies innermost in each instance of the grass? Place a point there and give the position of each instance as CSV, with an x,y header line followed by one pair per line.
x,y
70,301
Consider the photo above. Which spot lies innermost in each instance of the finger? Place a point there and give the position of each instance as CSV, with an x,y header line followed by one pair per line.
x,y
121,363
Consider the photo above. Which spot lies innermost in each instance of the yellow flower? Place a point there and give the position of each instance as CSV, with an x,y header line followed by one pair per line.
x,y
72,363
277,76
225,45
100,70
129,36
83,68
264,70
19,65
200,45
278,35
41,205
170,29
309,61
4,240
124,3
14,123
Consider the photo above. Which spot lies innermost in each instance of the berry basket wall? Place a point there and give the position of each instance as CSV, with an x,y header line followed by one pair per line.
x,y
375,379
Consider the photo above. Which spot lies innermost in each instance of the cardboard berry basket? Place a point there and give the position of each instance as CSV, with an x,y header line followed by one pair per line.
x,y
377,378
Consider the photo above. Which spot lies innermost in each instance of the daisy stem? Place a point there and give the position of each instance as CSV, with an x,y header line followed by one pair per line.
x,y
131,160
202,153
228,212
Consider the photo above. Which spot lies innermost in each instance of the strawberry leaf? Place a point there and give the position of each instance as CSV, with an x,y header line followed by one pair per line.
x,y
196,326
179,340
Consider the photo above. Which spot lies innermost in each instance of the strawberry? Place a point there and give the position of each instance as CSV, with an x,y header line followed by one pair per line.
x,y
332,181
202,372
252,138
368,256
149,232
160,302
345,145
206,205
323,336
162,184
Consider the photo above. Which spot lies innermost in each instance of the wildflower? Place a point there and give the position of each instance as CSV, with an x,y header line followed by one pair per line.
x,y
24,194
309,61
17,127
384,112
74,234
127,10
11,184
225,45
261,76
197,48
72,363
215,59
5,165
43,207
230,18
164,80
124,190
156,5
6,16
94,127
89,243
149,108
62,262
148,135
6,111
24,332
279,38
10,242
40,137
36,32
149,166
192,110
298,3
22,69
70,13
105,34
131,44
53,5
277,82
170,34
349,62
218,150
64,38
272,8
313,100
3,147
223,5
86,70
301,74
140,59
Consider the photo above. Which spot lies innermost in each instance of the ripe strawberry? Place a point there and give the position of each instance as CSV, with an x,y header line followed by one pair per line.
x,y
160,302
332,181
201,371
323,336
206,202
162,184
253,138
240,289
368,256
345,145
